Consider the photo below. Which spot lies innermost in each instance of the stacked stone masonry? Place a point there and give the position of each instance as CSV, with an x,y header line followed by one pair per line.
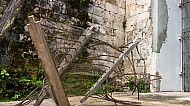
x,y
121,21
139,24
110,15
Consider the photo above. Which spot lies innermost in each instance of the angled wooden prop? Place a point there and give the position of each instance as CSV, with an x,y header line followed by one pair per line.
x,y
37,35
111,69
73,54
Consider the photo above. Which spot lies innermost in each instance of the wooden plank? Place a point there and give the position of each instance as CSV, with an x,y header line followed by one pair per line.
x,y
44,54
113,67
41,97
74,52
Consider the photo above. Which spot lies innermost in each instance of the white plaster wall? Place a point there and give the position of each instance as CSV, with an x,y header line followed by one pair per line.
x,y
168,61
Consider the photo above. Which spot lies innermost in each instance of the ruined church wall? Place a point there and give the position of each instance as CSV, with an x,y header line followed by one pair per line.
x,y
109,14
121,21
139,24
135,22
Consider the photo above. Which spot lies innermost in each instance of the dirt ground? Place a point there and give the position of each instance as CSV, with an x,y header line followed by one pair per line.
x,y
146,99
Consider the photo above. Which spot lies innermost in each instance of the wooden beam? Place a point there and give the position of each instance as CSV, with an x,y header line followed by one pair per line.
x,y
109,71
79,46
37,35
63,65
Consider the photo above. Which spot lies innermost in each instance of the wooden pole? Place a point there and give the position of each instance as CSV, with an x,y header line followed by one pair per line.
x,y
44,54
73,54
113,67
78,48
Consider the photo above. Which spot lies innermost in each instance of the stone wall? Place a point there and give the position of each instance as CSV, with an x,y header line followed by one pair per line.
x,y
121,21
110,15
139,24
4,59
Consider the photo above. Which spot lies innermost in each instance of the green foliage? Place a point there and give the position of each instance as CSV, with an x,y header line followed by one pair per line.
x,y
16,83
75,84
82,1
143,86
25,73
4,74
108,88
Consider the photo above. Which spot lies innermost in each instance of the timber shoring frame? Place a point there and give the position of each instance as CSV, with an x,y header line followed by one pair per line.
x,y
73,53
79,45
37,35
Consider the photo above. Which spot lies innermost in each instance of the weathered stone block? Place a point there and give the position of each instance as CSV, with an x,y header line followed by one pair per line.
x,y
119,39
119,17
121,3
139,9
130,2
143,16
141,25
131,21
114,2
109,15
90,9
109,31
118,25
111,7
130,10
109,23
130,28
120,11
102,30
98,11
97,19
141,2
102,4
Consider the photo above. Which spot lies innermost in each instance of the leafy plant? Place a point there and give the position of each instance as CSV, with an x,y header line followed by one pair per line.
x,y
17,95
143,86
82,1
77,84
4,73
